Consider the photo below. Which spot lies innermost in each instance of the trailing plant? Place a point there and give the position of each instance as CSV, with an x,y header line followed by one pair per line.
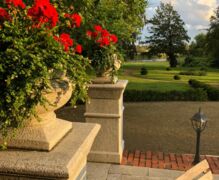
x,y
34,46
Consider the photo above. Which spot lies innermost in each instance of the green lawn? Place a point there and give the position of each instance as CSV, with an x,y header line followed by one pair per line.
x,y
158,78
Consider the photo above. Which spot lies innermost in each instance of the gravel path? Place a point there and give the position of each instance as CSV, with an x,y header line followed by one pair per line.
x,y
163,126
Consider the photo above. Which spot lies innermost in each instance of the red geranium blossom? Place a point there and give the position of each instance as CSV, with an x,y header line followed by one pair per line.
x,y
43,12
105,33
89,34
4,15
113,38
65,40
102,36
16,3
97,28
76,19
78,49
104,41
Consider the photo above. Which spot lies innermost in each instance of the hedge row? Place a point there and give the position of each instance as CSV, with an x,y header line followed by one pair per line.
x,y
212,92
196,94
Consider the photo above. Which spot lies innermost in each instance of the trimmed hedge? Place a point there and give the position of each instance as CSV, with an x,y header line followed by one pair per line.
x,y
212,92
193,73
150,95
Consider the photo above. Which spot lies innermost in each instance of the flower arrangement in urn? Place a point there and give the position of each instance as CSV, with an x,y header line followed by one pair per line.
x,y
103,54
37,55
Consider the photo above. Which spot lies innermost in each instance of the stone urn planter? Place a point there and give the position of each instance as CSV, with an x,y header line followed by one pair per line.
x,y
44,132
104,76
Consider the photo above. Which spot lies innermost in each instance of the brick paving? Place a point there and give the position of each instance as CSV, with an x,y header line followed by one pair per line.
x,y
162,160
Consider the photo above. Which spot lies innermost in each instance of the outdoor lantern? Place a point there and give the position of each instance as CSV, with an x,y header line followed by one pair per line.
x,y
199,121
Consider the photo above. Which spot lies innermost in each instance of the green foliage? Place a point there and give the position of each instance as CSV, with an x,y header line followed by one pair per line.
x,y
168,34
199,46
143,71
176,77
213,93
28,59
168,69
191,61
150,95
213,38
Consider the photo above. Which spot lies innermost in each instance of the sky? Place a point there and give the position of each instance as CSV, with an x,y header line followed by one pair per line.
x,y
195,13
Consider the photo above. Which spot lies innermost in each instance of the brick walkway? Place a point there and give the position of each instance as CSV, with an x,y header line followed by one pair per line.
x,y
165,161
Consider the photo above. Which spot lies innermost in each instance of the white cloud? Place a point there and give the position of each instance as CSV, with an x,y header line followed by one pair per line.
x,y
195,13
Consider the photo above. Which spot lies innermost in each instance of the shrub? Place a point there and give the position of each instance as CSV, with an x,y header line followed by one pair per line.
x,y
151,95
176,77
213,93
168,69
143,71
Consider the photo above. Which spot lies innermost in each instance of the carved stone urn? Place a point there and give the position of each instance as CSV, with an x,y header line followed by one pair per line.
x,y
104,76
46,131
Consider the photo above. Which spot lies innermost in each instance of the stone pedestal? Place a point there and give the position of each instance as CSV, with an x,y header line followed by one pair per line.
x,y
105,107
66,161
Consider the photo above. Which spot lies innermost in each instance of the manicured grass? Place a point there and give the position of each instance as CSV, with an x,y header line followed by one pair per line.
x,y
158,78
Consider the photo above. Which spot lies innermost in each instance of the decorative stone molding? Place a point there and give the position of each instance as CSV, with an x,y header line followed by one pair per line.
x,y
105,107
66,161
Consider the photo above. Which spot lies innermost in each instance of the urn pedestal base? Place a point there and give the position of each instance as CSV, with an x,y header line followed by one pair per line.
x,y
66,161
106,108
41,136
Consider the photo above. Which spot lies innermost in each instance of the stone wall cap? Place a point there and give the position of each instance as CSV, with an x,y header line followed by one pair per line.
x,y
59,162
121,84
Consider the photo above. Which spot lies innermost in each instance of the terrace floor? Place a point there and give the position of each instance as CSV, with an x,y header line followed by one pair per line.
x,y
102,171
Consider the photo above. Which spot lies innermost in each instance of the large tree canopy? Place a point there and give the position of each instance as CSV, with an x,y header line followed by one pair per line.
x,y
168,34
213,38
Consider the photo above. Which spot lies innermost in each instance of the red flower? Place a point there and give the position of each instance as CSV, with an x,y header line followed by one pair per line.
x,y
113,38
43,12
105,33
98,28
76,19
78,49
16,3
65,40
89,34
4,15
104,41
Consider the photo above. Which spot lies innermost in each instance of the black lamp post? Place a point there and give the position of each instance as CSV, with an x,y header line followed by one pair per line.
x,y
199,121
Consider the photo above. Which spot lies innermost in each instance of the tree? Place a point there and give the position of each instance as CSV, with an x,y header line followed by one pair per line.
x,y
198,47
213,38
168,34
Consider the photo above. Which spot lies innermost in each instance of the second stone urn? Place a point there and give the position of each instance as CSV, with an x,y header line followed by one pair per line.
x,y
105,76
47,130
